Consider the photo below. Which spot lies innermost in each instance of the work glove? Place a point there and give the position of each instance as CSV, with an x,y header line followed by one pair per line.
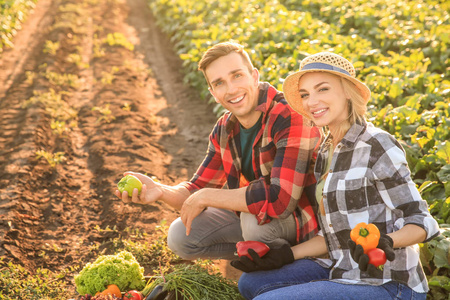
x,y
387,245
357,252
274,259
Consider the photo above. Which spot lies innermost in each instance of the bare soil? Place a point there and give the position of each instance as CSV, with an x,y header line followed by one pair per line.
x,y
47,214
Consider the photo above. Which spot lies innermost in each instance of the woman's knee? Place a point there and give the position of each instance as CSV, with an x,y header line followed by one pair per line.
x,y
255,283
247,286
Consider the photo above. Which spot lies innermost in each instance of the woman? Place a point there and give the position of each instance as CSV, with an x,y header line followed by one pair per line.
x,y
362,176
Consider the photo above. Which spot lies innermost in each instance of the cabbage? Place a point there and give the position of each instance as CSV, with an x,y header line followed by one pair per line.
x,y
121,269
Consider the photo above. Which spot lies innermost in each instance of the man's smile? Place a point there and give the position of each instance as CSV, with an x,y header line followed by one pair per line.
x,y
236,100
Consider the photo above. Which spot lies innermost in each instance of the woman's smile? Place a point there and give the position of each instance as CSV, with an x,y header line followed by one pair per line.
x,y
319,113
324,98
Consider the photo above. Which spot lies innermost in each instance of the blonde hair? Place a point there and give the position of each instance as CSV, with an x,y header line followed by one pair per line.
x,y
358,105
223,49
357,108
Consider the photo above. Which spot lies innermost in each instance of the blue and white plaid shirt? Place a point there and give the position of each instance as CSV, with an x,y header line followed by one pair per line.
x,y
369,181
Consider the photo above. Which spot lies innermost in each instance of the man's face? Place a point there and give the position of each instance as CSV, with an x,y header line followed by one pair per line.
x,y
235,87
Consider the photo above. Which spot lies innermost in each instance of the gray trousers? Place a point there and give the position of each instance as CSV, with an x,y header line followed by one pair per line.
x,y
215,232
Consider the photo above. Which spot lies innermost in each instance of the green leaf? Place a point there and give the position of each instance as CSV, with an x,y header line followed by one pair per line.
x,y
421,165
443,151
442,254
426,257
440,281
408,129
425,185
444,174
358,64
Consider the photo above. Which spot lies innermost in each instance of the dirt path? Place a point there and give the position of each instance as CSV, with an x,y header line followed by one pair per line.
x,y
105,109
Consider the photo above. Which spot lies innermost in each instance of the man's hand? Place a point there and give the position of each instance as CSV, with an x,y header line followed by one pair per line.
x,y
191,208
150,191
274,259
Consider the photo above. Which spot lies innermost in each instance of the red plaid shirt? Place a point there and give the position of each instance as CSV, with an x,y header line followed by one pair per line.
x,y
283,154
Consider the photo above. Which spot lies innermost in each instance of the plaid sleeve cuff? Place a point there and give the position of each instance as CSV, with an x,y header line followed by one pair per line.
x,y
189,186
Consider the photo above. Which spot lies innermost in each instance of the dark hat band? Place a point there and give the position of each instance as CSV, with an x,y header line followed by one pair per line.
x,y
322,66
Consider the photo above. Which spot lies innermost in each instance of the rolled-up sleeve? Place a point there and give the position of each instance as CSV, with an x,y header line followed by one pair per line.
x,y
287,159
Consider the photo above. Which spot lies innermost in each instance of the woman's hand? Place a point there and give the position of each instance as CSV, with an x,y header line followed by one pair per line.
x,y
385,243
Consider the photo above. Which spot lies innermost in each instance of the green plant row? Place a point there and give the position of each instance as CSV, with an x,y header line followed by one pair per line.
x,y
18,283
398,26
12,15
400,50
280,37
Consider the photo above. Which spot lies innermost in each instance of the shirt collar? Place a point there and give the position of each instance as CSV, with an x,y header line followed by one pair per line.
x,y
349,138
358,128
263,100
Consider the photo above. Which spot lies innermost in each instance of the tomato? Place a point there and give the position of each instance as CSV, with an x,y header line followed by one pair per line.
x,y
260,248
129,183
133,295
377,257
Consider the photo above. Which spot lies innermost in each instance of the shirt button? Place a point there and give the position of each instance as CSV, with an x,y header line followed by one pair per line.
x,y
331,171
331,225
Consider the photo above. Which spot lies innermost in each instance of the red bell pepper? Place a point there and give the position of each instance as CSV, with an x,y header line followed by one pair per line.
x,y
260,248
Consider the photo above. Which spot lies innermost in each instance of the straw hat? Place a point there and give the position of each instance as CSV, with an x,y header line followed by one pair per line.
x,y
321,62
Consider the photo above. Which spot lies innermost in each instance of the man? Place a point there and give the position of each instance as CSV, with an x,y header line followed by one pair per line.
x,y
252,183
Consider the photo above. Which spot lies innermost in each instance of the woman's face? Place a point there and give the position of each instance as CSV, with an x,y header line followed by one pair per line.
x,y
323,98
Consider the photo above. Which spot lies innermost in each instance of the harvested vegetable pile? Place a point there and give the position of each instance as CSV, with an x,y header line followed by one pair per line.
x,y
111,275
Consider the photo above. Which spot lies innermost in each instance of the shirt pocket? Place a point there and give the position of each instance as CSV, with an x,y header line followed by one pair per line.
x,y
351,195
266,158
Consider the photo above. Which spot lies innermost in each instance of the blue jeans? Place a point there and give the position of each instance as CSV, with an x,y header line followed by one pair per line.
x,y
305,279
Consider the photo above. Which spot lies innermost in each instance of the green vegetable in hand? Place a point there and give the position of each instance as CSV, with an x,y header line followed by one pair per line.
x,y
121,269
129,183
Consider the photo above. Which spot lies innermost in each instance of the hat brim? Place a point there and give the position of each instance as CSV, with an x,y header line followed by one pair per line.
x,y
292,94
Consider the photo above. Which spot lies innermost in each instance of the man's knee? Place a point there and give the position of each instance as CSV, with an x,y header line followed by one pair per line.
x,y
178,241
274,234
258,233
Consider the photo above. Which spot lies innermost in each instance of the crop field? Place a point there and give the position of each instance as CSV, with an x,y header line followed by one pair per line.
x,y
90,89
400,49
